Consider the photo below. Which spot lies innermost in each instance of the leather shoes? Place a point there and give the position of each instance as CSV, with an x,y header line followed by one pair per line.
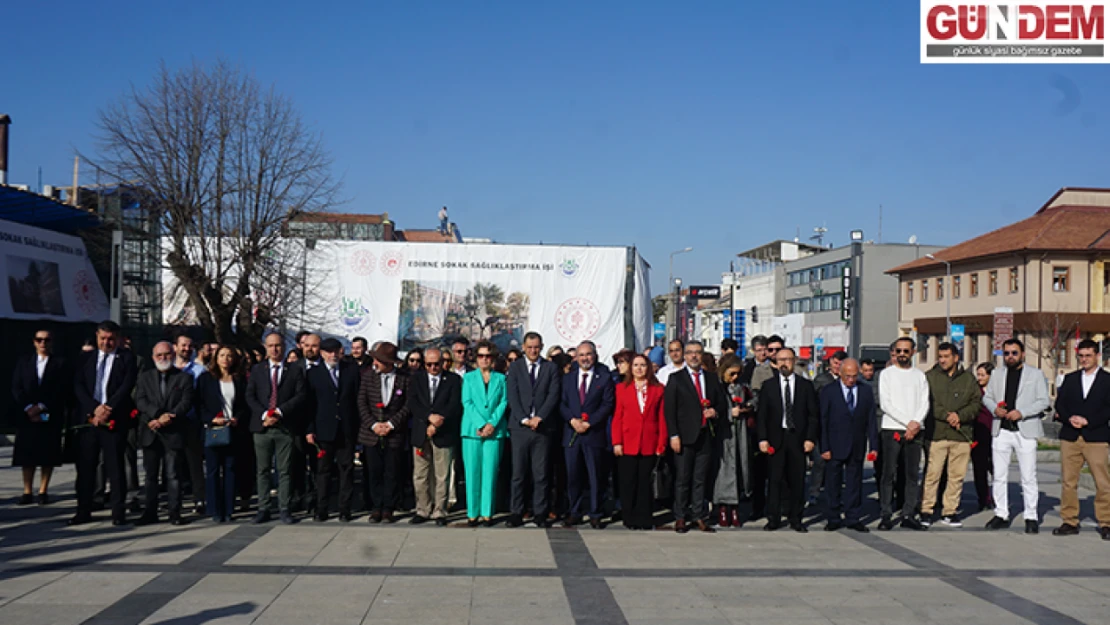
x,y
1031,527
680,526
734,517
798,527
722,516
263,516
344,517
178,522
1104,532
703,526
472,522
885,525
596,524
119,522
772,526
832,526
375,517
79,519
568,521
320,518
417,519
441,521
287,517
515,520
26,499
388,517
1066,530
542,523
44,499
911,523
998,523
858,526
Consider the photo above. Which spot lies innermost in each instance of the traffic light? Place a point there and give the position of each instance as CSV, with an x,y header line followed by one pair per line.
x,y
755,314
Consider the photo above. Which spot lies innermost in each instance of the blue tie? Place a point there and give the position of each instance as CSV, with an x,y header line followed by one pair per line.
x,y
98,392
851,399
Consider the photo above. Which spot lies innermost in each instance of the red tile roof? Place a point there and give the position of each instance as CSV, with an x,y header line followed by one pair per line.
x,y
425,236
345,218
1052,229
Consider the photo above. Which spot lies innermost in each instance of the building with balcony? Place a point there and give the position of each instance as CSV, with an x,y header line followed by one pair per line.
x,y
1048,270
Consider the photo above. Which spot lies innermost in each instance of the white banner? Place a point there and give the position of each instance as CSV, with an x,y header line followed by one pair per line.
x,y
49,276
415,294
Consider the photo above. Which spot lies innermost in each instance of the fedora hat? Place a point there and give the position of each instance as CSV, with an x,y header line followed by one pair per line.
x,y
385,352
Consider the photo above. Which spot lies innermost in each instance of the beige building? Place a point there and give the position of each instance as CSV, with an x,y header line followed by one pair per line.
x,y
1049,269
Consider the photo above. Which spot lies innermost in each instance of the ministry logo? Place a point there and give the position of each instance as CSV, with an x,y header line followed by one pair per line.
x,y
353,315
569,268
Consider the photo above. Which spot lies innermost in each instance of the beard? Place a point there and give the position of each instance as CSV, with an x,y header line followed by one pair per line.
x,y
162,366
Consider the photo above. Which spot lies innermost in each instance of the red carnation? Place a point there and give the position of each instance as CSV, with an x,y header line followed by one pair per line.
x,y
220,414
872,456
770,450
737,400
705,403
379,405
321,454
974,444
586,417
112,424
269,414
134,413
420,452
898,437
1001,404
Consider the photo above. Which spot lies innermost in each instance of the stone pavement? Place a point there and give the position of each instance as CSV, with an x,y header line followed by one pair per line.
x,y
357,573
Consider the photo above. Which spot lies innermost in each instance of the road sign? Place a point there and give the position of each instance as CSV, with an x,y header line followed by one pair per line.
x,y
705,292
1003,328
957,334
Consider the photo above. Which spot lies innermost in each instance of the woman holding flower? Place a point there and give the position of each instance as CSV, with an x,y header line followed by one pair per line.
x,y
639,439
223,399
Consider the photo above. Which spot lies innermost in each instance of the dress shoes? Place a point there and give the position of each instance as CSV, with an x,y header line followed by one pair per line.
x,y
723,519
178,522
832,526
859,527
472,522
734,517
487,522
1032,527
1104,532
320,518
44,499
120,522
568,521
542,523
799,527
146,519
80,519
375,517
702,526
680,526
287,517
998,523
26,499
515,520
345,517
441,521
596,524
417,519
388,517
911,523
772,526
1066,530
885,525
263,516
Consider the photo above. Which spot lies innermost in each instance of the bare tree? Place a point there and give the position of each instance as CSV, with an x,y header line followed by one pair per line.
x,y
226,162
1051,333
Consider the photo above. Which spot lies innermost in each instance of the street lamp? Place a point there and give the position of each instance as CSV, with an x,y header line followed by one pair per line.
x,y
677,282
948,295
671,281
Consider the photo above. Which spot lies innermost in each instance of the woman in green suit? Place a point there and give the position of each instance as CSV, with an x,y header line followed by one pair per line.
x,y
483,429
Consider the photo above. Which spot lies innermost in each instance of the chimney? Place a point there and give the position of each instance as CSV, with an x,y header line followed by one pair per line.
x,y
5,121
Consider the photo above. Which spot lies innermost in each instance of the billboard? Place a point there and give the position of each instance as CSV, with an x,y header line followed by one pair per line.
x,y
48,276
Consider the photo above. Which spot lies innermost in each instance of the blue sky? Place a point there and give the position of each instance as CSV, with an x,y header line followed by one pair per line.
x,y
646,123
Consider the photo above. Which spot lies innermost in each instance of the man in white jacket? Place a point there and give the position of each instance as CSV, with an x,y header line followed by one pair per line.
x,y
904,396
1017,396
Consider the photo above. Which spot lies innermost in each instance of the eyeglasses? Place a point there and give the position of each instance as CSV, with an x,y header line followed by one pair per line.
x,y
431,364
903,351
1012,353
459,351
42,339
773,349
481,355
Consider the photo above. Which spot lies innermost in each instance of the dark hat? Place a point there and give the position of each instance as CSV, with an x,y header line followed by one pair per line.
x,y
331,345
385,352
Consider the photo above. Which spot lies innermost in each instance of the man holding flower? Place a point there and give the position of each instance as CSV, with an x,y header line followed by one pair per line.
x,y
587,404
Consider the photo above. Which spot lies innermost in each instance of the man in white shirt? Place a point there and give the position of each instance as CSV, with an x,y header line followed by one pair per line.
x,y
904,395
678,361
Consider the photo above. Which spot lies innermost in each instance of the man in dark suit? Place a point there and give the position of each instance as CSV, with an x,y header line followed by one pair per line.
x,y
301,475
332,429
164,396
1083,409
533,388
103,390
586,406
692,402
41,386
788,422
275,394
435,402
384,414
847,427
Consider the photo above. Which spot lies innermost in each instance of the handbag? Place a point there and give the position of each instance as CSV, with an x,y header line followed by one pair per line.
x,y
662,482
219,436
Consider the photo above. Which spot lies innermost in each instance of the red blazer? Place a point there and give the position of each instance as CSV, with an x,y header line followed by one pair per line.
x,y
641,433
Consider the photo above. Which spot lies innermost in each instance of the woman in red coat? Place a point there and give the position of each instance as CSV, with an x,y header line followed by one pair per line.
x,y
639,437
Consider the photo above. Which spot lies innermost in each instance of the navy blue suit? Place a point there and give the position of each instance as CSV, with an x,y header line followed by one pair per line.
x,y
586,449
846,434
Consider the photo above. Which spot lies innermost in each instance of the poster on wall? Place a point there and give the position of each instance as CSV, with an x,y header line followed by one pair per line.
x,y
49,276
416,294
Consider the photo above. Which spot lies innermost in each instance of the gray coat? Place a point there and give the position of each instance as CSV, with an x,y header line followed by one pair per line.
x,y
1032,400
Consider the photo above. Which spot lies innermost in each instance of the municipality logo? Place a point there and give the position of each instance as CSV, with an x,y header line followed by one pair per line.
x,y
353,314
569,268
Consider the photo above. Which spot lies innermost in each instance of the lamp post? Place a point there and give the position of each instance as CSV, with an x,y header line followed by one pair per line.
x,y
855,286
677,282
948,296
671,282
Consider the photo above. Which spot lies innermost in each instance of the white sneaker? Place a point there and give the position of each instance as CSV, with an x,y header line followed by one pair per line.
x,y
925,521
951,521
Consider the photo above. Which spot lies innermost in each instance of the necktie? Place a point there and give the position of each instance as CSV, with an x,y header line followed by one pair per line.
x,y
98,392
162,384
582,389
697,384
334,376
273,388
851,400
788,406
532,373
435,386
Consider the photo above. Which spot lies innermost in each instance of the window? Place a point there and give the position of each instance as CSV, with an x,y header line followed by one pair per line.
x,y
992,282
940,289
1013,279
955,287
975,285
924,290
909,292
1061,279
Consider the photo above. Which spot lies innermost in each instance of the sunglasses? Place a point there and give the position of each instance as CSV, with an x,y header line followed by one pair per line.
x,y
433,364
903,351
481,355
41,339
414,360
1012,353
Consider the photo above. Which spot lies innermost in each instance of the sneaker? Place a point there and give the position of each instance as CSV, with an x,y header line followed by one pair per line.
x,y
951,520
998,523
926,521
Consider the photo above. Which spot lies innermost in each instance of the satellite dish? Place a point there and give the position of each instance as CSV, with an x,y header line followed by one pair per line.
x,y
913,239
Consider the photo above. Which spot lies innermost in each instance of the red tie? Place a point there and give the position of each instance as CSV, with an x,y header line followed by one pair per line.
x,y
273,388
582,390
697,384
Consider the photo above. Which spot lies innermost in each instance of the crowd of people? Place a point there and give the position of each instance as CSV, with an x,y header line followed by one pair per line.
x,y
562,438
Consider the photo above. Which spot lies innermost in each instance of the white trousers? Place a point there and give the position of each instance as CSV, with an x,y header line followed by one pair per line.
x,y
1026,450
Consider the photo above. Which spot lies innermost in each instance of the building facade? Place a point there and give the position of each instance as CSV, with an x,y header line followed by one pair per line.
x,y
1048,271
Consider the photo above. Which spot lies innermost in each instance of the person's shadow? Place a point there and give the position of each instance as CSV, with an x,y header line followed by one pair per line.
x,y
211,614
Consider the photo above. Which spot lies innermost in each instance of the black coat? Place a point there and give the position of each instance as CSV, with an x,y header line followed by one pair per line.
x,y
290,397
682,407
770,414
333,410
40,443
152,403
210,402
448,404
121,384
1095,408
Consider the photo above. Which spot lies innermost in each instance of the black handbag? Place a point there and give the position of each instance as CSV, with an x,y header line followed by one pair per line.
x,y
662,482
219,436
